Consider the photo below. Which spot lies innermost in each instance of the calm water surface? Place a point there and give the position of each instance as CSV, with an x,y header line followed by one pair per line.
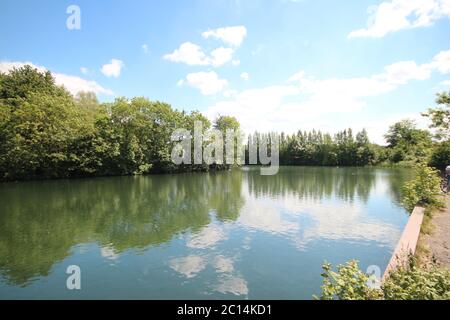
x,y
220,235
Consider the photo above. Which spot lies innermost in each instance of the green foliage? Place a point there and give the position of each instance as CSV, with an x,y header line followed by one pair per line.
x,y
440,117
317,148
224,123
348,283
19,83
423,189
407,144
47,133
411,282
440,156
36,133
440,120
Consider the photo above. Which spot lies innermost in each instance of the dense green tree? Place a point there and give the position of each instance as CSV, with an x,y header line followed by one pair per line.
x,y
440,117
45,132
365,152
407,143
224,123
19,83
39,121
440,122
440,157
317,148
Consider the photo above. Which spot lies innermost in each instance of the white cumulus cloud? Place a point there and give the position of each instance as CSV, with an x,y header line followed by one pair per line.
x,y
192,54
233,36
188,53
208,83
220,56
306,102
442,62
113,68
404,71
75,84
395,15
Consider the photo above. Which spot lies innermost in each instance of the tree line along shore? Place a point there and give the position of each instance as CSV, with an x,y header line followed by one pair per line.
x,y
47,133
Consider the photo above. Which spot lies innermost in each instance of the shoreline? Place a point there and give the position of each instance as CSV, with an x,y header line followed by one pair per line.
x,y
211,170
407,243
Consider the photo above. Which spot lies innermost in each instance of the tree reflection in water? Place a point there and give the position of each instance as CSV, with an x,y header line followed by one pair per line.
x,y
41,221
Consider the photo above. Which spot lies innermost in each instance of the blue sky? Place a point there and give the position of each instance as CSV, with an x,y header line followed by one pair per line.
x,y
275,65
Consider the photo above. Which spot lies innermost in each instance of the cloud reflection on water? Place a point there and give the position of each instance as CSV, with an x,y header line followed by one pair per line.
x,y
205,221
207,237
228,280
188,266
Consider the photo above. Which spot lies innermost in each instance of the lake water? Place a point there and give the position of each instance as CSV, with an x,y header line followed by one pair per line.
x,y
226,235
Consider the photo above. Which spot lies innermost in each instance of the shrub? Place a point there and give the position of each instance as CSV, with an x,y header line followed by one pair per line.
x,y
348,283
423,189
440,157
411,282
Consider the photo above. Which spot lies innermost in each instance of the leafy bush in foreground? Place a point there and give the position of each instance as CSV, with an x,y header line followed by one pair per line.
x,y
412,282
418,283
348,283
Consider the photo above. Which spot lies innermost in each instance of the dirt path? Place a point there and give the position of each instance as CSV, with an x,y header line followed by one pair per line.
x,y
437,243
